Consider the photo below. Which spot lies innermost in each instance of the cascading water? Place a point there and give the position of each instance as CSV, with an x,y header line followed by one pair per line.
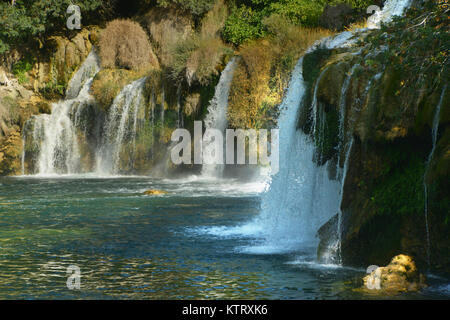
x,y
120,129
55,135
391,8
434,134
217,119
301,197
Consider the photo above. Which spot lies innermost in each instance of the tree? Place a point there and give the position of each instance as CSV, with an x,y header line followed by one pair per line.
x,y
24,20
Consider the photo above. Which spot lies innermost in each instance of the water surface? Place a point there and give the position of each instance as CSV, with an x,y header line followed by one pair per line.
x,y
183,245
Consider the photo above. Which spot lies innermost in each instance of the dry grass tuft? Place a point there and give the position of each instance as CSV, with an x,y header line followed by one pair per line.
x,y
197,57
124,44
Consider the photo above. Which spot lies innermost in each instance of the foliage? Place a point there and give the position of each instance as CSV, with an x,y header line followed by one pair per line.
x,y
242,25
196,7
245,20
21,68
429,34
124,44
400,189
30,20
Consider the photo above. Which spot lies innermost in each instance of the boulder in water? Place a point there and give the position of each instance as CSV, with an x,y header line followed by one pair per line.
x,y
153,192
401,275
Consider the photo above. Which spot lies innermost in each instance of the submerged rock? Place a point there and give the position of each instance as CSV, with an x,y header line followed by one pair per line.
x,y
153,192
400,275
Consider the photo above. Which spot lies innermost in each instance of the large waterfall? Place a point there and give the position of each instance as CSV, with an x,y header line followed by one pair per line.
x,y
302,195
217,119
54,136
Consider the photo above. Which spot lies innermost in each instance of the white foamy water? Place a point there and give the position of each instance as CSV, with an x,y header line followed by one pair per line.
x,y
391,9
217,119
301,197
120,128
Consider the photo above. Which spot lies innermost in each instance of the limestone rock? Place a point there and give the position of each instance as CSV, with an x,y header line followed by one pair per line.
x,y
4,81
153,192
401,275
52,71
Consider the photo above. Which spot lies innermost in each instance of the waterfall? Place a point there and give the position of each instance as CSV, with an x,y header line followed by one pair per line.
x,y
301,197
217,119
180,123
434,134
343,111
55,134
120,130
163,102
391,8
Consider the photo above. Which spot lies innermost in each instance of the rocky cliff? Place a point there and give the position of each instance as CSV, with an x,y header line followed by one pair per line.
x,y
385,103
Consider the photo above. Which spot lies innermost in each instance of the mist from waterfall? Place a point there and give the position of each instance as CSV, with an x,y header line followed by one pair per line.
x,y
217,119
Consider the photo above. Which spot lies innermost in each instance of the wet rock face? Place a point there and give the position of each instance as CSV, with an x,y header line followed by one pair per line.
x,y
55,67
383,205
336,17
327,251
17,104
400,275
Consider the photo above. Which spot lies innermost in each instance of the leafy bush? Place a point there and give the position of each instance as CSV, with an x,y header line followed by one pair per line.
x,y
21,68
245,21
242,25
196,7
32,20
124,44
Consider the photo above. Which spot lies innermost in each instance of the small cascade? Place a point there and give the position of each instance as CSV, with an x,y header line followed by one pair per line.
x,y
163,102
341,194
55,136
180,123
217,119
314,113
88,69
152,117
119,141
391,8
434,134
343,112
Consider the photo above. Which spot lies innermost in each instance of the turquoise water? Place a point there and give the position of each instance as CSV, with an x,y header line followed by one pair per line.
x,y
131,246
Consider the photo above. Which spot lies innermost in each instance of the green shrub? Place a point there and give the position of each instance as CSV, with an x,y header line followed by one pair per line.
x,y
196,7
33,20
242,25
21,68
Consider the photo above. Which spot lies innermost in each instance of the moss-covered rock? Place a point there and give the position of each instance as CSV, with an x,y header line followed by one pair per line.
x,y
57,62
395,199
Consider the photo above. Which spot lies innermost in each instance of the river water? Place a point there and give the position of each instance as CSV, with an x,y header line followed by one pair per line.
x,y
183,245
